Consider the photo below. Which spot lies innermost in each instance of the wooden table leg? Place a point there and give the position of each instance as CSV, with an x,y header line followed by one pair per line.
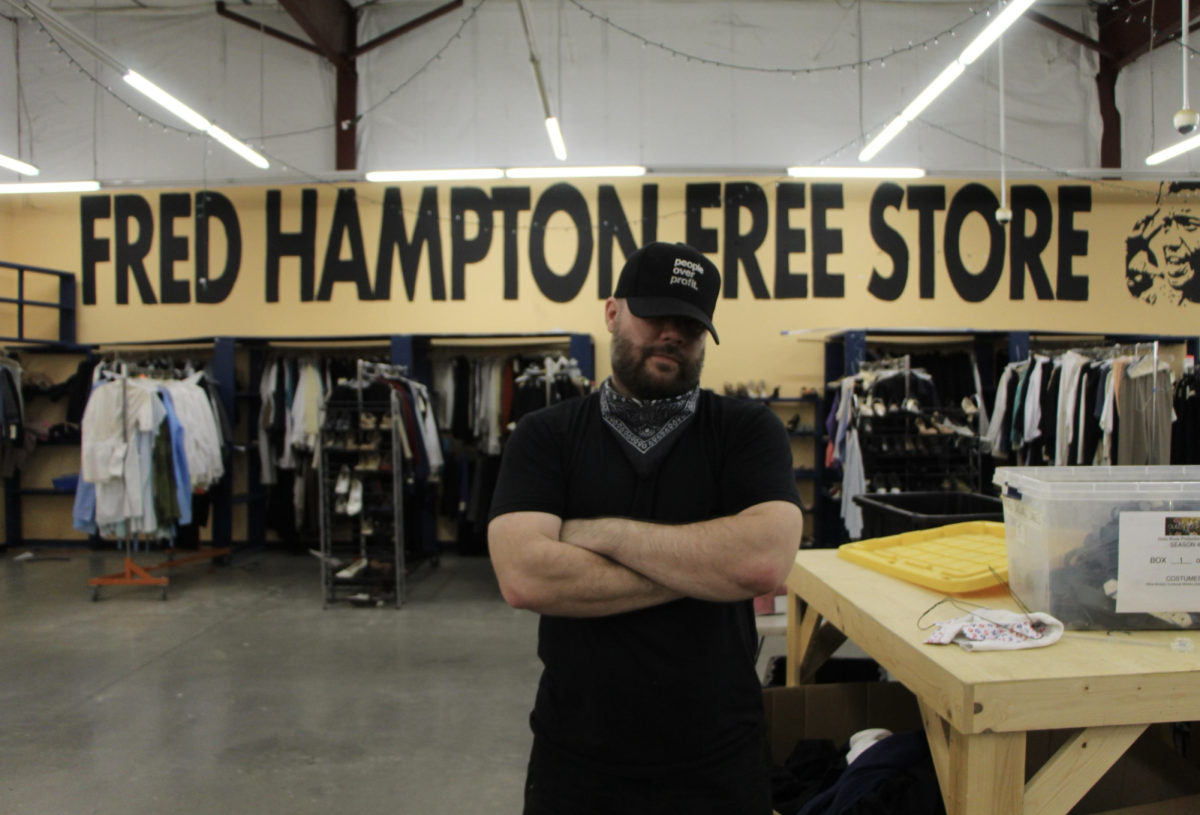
x,y
980,774
809,643
987,773
797,639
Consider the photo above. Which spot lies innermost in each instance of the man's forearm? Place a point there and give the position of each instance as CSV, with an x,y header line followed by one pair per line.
x,y
548,576
724,559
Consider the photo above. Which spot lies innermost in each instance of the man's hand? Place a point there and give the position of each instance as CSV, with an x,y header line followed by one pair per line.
x,y
723,560
540,573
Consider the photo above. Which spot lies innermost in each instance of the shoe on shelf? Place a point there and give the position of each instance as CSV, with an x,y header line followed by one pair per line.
x,y
354,502
912,405
742,392
368,421
729,390
385,421
879,408
339,506
969,407
893,482
353,569
775,393
343,481
793,423
342,423
367,527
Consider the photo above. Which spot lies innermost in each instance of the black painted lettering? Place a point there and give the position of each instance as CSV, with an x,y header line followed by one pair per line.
x,y
700,197
131,257
212,206
393,236
613,226
1072,242
463,251
826,241
926,199
511,201
649,213
789,241
561,197
346,227
302,244
740,248
888,195
1027,249
972,287
92,208
172,247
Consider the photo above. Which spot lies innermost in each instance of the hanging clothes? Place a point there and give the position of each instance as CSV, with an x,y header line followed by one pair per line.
x,y
1185,435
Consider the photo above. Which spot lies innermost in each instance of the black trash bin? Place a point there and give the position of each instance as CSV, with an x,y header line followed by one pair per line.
x,y
893,513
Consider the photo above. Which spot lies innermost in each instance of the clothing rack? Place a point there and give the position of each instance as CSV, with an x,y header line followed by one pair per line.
x,y
134,574
1084,444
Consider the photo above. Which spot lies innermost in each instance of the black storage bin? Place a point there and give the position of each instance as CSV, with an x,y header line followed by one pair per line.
x,y
892,513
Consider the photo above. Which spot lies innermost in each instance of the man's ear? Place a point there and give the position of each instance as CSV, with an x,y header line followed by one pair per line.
x,y
612,307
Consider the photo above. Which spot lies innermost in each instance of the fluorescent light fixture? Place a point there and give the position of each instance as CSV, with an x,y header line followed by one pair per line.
x,y
194,119
18,166
879,142
167,101
238,147
575,172
1174,150
50,186
855,172
556,139
953,71
480,174
992,33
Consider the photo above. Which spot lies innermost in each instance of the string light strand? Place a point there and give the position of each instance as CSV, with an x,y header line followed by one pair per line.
x,y
868,63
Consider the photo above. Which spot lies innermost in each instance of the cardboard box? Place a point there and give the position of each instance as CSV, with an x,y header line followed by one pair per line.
x,y
836,712
1149,777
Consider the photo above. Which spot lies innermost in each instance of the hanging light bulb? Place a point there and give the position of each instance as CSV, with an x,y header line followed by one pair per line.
x,y
1186,119
1003,214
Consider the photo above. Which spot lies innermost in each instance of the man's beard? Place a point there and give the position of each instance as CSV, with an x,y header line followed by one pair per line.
x,y
630,369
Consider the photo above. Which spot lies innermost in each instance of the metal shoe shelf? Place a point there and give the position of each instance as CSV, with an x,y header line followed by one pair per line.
x,y
374,533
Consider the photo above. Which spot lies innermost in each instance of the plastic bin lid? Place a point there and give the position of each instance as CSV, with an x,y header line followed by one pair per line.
x,y
1177,481
953,559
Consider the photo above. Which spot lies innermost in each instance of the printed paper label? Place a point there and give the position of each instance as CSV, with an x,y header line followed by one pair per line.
x,y
1023,512
1158,565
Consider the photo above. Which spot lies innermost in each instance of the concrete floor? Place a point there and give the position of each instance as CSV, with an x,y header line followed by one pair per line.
x,y
240,695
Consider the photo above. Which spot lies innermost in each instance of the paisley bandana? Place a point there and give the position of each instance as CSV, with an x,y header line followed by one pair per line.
x,y
647,429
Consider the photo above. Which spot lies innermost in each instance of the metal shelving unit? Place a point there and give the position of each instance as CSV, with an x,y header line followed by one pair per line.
x,y
375,532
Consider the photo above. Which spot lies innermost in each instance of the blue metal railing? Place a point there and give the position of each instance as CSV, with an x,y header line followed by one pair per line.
x,y
65,305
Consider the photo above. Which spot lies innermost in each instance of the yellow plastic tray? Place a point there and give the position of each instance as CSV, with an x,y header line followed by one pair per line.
x,y
952,559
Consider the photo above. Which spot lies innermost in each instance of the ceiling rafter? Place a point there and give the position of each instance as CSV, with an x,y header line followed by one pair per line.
x,y
332,25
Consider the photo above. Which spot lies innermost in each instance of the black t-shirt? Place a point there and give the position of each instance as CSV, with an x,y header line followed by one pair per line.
x,y
672,685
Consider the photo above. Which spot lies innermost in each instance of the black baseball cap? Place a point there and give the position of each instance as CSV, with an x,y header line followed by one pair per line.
x,y
671,280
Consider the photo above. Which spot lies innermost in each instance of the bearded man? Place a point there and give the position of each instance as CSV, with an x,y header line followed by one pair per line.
x,y
639,522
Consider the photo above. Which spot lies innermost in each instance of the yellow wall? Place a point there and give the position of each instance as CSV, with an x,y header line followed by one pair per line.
x,y
46,230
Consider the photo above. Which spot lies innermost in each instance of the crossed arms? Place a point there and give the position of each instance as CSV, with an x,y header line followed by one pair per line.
x,y
602,566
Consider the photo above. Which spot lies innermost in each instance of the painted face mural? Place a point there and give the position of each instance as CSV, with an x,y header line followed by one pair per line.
x,y
1162,256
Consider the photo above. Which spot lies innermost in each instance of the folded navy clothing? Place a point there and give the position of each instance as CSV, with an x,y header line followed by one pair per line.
x,y
813,767
894,777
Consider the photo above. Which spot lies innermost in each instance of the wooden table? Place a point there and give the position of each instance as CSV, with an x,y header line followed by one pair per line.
x,y
978,706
